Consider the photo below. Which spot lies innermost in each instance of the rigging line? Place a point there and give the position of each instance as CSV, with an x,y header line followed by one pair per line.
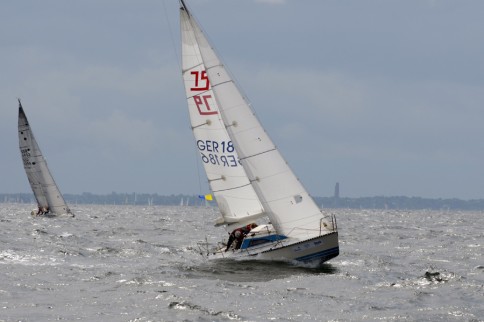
x,y
178,61
171,35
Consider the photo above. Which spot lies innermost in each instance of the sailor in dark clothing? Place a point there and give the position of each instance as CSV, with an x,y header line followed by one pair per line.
x,y
239,235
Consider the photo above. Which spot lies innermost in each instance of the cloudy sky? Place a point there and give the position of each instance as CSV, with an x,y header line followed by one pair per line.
x,y
384,97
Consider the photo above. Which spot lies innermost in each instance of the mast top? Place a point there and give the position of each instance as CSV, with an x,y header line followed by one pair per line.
x,y
183,6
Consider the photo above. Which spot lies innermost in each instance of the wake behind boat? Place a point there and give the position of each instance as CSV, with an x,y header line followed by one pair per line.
x,y
249,178
49,199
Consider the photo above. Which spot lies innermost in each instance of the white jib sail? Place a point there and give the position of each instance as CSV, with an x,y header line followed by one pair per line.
x,y
285,200
41,181
236,198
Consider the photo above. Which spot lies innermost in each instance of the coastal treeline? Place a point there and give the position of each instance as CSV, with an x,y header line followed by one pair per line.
x,y
378,202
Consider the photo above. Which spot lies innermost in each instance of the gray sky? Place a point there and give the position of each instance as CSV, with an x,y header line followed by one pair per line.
x,y
385,97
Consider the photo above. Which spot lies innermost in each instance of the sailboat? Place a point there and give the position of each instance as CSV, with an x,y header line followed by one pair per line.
x,y
49,199
250,180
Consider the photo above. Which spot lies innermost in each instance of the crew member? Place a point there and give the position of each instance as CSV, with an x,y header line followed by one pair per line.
x,y
239,235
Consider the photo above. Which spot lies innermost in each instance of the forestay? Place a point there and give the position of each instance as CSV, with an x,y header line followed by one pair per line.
x,y
290,208
236,198
41,181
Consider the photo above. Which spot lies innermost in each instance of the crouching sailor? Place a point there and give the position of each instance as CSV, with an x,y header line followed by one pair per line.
x,y
239,235
40,211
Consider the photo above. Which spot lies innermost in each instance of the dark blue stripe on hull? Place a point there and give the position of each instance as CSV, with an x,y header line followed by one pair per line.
x,y
324,255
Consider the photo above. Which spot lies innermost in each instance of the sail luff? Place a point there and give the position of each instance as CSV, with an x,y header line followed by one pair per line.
x,y
287,203
41,181
228,181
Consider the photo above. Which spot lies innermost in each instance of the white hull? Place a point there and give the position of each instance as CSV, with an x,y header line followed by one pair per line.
x,y
314,251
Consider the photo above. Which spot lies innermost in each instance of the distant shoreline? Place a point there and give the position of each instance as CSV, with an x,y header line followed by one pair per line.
x,y
378,202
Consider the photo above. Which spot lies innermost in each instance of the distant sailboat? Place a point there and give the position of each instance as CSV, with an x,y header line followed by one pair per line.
x,y
49,199
248,176
184,202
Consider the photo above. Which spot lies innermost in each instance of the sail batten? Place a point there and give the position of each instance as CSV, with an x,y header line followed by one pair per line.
x,y
233,188
255,155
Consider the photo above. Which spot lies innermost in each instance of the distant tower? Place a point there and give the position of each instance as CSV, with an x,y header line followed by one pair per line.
x,y
336,191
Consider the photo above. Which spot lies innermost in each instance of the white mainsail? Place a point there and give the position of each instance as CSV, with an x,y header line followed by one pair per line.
x,y
235,196
290,208
41,181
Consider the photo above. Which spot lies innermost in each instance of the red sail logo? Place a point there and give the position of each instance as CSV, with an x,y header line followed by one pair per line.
x,y
202,102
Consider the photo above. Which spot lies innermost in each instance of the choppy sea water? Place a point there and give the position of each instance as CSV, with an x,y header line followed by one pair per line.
x,y
135,263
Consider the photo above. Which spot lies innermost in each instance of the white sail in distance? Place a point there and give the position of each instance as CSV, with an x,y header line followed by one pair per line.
x,y
41,181
291,209
235,196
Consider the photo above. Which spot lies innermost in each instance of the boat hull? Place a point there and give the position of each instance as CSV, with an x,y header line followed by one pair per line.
x,y
313,252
